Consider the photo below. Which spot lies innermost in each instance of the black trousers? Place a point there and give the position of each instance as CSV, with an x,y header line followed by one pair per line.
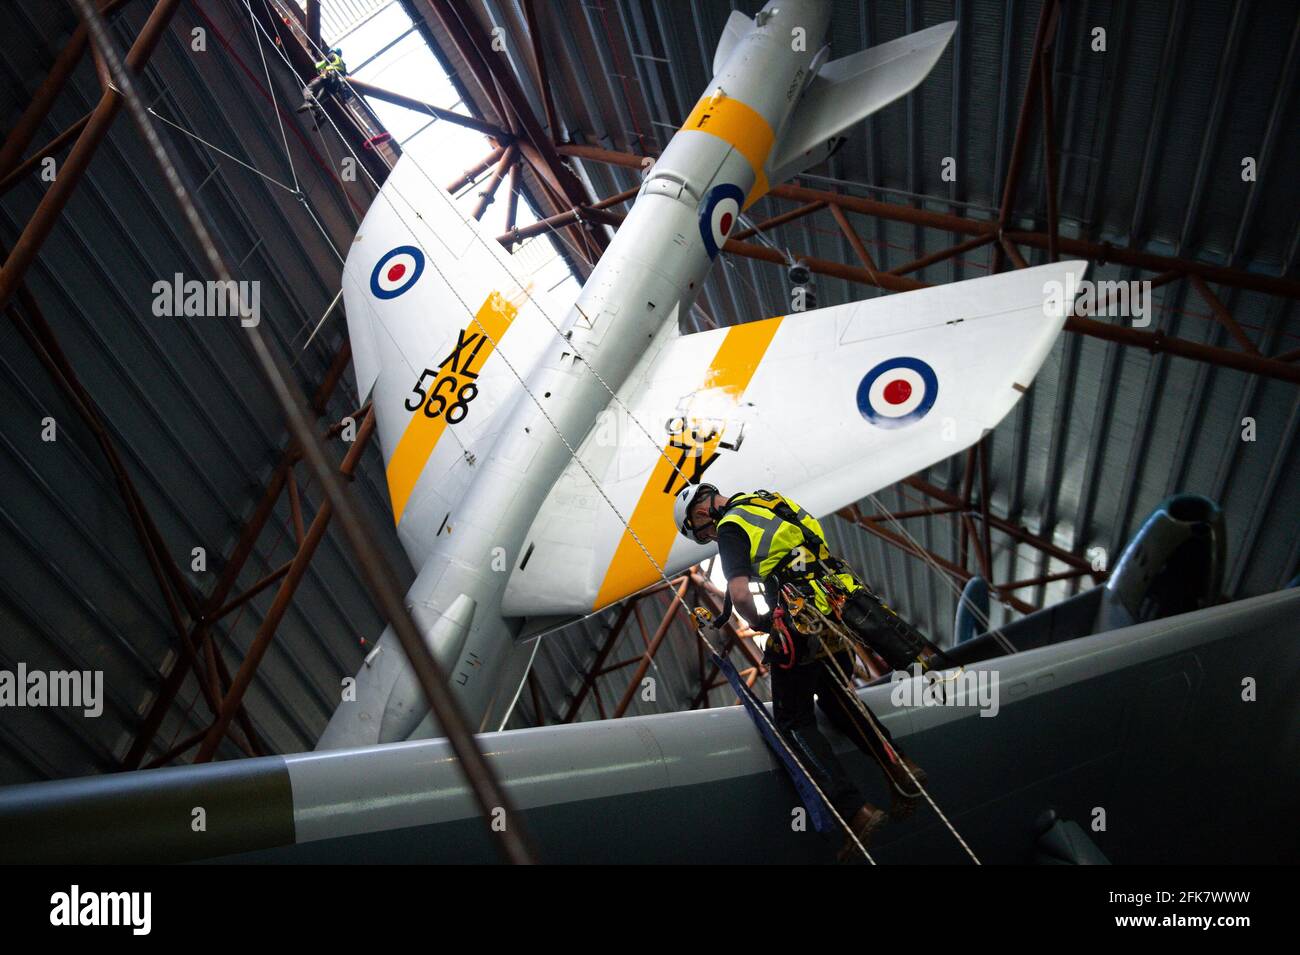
x,y
321,84
792,701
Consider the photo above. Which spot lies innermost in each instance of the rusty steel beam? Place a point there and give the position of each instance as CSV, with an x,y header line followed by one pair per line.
x,y
1104,252
512,199
943,254
1020,143
313,23
1006,245
854,240
598,668
863,276
38,109
1102,308
539,62
917,512
419,106
803,194
295,510
1153,341
589,680
232,567
188,743
1044,579
266,632
47,213
568,218
1050,156
853,516
1223,315
488,193
712,598
1017,531
1160,342
778,220
474,171
302,61
172,585
34,331
1100,252
651,649
493,73
967,489
248,594
52,148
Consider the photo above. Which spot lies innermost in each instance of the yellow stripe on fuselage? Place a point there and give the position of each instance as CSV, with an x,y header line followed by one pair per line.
x,y
732,368
740,127
423,432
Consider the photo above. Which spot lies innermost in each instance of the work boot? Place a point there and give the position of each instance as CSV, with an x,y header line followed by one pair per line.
x,y
864,822
904,792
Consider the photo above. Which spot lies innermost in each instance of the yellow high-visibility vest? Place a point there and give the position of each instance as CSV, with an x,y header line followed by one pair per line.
x,y
331,64
778,544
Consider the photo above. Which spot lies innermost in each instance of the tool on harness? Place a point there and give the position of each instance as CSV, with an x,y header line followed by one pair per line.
x,y
810,572
782,648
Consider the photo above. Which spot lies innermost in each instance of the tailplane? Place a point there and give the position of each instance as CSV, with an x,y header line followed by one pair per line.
x,y
847,90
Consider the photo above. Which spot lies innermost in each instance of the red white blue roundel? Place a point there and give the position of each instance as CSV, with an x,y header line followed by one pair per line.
x,y
396,271
718,216
897,392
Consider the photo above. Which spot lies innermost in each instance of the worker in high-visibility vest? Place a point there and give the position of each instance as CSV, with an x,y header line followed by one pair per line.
x,y
329,79
768,538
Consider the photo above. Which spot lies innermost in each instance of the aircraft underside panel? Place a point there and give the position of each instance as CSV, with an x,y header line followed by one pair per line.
x,y
1149,723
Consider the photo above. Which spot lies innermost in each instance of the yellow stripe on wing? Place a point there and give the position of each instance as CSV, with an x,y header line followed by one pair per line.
x,y
741,127
729,374
422,432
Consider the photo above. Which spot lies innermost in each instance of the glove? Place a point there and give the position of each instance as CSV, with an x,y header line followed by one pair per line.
x,y
764,623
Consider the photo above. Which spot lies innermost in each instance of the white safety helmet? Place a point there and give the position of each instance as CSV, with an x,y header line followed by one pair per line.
x,y
686,499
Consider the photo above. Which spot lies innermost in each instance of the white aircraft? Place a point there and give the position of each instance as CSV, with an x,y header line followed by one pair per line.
x,y
533,447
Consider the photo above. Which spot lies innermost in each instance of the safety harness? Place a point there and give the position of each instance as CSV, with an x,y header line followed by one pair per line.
x,y
808,590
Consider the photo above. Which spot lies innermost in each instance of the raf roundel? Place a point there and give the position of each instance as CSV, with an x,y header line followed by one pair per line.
x,y
718,215
897,392
396,271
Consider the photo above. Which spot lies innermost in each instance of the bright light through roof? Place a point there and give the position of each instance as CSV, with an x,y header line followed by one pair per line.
x,y
387,51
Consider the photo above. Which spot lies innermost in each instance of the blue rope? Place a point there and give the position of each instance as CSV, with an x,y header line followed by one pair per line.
x,y
818,810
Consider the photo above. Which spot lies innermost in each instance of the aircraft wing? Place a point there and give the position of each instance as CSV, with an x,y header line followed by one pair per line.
x,y
824,406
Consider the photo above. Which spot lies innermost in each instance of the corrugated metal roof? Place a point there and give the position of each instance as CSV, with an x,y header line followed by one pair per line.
x,y
197,427
1152,133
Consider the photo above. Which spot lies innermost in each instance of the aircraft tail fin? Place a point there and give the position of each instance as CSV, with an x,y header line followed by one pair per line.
x,y
737,27
847,90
